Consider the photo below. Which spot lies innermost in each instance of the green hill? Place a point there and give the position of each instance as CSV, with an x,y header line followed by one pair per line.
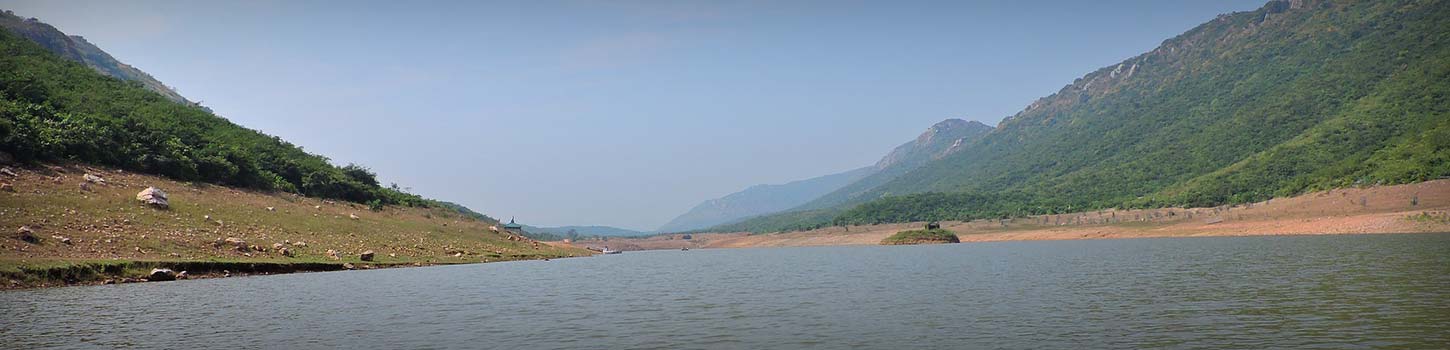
x,y
76,48
1291,97
54,109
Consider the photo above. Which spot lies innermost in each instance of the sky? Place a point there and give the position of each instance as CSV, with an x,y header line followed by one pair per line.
x,y
620,113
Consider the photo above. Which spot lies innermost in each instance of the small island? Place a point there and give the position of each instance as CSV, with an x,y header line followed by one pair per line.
x,y
932,234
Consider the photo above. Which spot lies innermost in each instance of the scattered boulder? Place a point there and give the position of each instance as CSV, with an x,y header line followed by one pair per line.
x,y
7,187
94,179
7,172
85,187
285,252
352,216
257,248
299,244
182,275
236,243
162,275
332,254
27,234
277,246
62,239
348,266
271,209
154,197
366,256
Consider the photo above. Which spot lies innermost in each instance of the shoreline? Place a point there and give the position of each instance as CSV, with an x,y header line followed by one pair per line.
x,y
77,224
1411,208
77,273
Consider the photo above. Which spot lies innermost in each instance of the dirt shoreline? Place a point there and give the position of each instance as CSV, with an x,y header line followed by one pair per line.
x,y
1412,208
72,224
67,273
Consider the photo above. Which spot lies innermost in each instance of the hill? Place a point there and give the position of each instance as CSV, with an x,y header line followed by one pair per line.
x,y
86,235
1292,97
226,182
77,49
760,200
939,140
55,109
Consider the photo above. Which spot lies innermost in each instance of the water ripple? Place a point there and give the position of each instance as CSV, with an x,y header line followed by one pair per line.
x,y
1245,293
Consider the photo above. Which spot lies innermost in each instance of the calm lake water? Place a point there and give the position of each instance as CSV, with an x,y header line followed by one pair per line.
x,y
1241,292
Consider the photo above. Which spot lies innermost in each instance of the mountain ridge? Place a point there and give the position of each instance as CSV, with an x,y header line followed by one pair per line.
x,y
584,230
1291,97
937,141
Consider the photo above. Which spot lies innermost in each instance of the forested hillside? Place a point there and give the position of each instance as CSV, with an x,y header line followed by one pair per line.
x,y
54,109
940,140
1292,97
76,48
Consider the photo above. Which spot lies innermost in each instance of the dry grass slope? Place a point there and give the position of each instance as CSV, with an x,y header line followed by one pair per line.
x,y
111,235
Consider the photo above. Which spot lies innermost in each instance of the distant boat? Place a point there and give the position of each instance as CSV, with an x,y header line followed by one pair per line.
x,y
607,251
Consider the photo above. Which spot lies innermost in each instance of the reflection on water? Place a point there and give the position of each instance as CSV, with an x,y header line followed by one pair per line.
x,y
1239,292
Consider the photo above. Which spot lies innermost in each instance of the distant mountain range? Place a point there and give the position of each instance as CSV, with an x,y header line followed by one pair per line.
x,y
563,231
937,141
760,200
1292,97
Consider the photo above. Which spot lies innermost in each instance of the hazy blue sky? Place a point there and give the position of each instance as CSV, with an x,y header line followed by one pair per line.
x,y
619,113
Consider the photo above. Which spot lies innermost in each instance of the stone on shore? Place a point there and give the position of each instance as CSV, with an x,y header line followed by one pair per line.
x,y
366,256
162,275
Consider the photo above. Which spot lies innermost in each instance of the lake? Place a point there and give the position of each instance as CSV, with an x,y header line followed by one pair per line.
x,y
1349,291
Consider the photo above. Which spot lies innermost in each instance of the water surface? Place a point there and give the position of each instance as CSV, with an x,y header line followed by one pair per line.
x,y
1232,292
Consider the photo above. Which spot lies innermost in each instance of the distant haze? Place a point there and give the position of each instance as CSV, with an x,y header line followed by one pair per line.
x,y
614,113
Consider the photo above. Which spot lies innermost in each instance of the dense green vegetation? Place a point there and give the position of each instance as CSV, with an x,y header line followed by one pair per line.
x,y
1249,106
52,109
934,235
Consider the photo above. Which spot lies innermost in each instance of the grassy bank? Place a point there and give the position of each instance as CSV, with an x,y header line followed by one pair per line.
x,y
86,234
